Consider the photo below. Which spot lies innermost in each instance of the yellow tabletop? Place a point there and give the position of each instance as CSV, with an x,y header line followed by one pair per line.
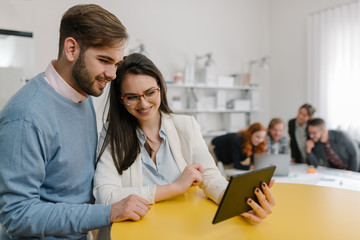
x,y
302,212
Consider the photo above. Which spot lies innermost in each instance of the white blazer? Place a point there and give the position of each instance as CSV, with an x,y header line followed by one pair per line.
x,y
187,146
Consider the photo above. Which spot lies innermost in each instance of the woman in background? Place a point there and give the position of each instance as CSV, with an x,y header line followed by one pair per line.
x,y
276,143
239,148
298,133
148,151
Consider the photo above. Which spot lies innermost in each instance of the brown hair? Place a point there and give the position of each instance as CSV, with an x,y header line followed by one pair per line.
x,y
91,26
309,109
275,121
316,122
246,134
121,131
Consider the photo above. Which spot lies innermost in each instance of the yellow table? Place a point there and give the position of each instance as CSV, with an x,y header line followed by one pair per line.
x,y
302,212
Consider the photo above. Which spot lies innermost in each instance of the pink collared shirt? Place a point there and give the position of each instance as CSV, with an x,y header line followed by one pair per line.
x,y
60,85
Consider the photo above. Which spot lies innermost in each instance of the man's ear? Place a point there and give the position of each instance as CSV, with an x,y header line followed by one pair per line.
x,y
71,49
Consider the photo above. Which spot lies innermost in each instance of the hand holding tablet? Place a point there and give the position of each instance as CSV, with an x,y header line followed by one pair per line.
x,y
264,207
246,192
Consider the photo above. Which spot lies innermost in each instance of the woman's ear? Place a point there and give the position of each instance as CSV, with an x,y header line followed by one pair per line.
x,y
71,49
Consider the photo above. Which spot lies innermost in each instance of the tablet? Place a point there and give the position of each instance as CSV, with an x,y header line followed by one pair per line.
x,y
240,188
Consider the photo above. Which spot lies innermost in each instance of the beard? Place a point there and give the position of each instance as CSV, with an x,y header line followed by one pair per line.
x,y
319,139
82,77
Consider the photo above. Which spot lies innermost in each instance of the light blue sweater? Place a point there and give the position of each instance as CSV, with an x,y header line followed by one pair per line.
x,y
47,162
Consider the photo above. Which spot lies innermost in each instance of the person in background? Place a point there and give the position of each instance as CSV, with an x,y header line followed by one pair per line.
x,y
298,134
330,148
239,148
276,142
146,150
48,136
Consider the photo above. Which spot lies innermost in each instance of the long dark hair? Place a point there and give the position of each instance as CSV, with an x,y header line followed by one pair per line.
x,y
121,134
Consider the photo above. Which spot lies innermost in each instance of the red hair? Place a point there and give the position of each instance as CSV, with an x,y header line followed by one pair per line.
x,y
246,134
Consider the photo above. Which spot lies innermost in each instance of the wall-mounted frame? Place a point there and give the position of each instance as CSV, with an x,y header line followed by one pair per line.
x,y
16,61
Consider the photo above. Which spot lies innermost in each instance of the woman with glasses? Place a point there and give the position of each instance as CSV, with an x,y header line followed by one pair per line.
x,y
146,150
298,133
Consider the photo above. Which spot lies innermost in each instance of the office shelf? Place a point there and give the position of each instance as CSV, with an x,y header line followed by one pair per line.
x,y
218,109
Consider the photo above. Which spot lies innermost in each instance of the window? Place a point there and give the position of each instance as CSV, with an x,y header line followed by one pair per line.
x,y
334,66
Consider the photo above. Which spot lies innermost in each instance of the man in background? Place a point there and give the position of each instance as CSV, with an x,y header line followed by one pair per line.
x,y
330,148
48,136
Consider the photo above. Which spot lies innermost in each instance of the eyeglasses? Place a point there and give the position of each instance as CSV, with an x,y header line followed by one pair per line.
x,y
133,99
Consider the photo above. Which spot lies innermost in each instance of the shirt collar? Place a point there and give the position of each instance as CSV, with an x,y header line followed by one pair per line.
x,y
61,86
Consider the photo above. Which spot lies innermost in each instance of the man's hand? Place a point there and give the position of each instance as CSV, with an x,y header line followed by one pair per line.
x,y
133,207
309,146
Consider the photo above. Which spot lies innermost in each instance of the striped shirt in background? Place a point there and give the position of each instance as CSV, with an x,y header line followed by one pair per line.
x,y
301,136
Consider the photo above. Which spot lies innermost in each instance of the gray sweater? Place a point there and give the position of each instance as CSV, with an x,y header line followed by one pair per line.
x,y
47,163
342,145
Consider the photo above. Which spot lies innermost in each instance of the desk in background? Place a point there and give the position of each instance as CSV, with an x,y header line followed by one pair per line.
x,y
323,176
302,212
329,177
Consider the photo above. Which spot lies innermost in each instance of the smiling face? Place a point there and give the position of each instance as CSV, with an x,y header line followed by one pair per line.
x,y
95,67
302,116
277,131
258,137
316,133
143,110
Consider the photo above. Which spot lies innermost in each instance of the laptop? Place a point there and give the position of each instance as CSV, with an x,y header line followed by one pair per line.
x,y
281,161
241,187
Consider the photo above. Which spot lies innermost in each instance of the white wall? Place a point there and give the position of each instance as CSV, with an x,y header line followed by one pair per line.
x,y
235,31
288,49
173,32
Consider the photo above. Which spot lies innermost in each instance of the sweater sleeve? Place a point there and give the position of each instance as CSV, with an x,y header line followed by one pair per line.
x,y
292,138
109,187
352,151
23,211
213,182
108,183
237,153
314,158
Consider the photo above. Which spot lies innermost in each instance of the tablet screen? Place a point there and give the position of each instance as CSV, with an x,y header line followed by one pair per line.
x,y
240,188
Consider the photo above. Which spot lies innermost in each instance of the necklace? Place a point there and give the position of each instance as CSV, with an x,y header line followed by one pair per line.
x,y
152,146
155,145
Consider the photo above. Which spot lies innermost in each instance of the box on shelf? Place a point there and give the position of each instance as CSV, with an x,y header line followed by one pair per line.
x,y
245,80
189,77
176,103
242,105
235,122
221,99
206,102
226,81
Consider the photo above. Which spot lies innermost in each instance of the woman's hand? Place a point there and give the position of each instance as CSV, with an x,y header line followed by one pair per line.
x,y
264,208
191,176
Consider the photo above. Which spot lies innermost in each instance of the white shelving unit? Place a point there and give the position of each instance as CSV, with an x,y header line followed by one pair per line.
x,y
218,109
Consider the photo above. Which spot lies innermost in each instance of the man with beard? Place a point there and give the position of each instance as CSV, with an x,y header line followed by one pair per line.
x,y
48,136
330,148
